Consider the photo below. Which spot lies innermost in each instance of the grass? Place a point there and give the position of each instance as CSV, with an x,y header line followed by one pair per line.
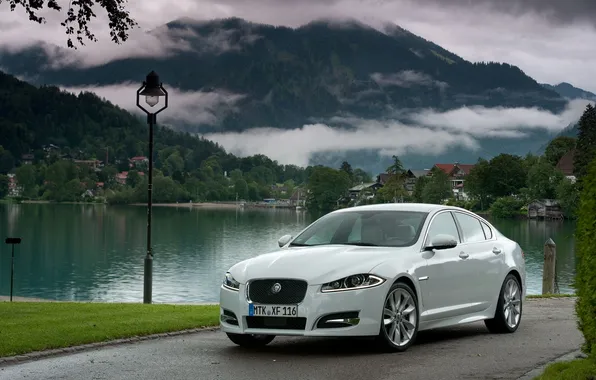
x,y
550,295
33,326
580,369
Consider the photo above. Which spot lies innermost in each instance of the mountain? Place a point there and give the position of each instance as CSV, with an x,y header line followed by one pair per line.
x,y
568,91
320,72
86,127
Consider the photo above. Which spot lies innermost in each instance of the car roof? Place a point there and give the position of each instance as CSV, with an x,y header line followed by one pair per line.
x,y
420,207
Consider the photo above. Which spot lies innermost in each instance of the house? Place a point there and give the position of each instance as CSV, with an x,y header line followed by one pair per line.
x,y
94,164
14,189
298,198
545,209
457,173
136,161
565,165
410,180
27,159
364,189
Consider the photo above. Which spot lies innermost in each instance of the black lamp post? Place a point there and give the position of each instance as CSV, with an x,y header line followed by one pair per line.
x,y
12,241
152,89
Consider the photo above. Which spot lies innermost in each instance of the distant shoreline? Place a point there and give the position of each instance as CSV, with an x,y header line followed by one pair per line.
x,y
204,205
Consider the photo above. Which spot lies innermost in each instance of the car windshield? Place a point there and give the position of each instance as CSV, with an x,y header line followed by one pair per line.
x,y
364,228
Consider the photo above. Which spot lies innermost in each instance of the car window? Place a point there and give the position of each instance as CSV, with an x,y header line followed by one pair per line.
x,y
442,224
488,232
365,227
471,228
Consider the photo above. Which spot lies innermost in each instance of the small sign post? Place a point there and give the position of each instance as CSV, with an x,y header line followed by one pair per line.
x,y
12,241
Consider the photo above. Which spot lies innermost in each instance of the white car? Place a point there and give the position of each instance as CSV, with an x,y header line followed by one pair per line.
x,y
386,271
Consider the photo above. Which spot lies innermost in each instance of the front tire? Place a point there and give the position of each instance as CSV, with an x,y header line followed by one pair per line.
x,y
509,308
399,325
251,340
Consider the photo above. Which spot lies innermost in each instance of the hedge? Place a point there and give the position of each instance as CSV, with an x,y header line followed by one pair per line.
x,y
585,278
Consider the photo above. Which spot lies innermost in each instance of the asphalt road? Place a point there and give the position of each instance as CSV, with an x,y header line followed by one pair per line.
x,y
548,330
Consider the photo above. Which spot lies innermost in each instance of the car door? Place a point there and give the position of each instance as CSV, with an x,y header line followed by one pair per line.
x,y
443,291
481,259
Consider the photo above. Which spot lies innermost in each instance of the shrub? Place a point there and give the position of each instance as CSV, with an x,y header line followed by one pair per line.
x,y
507,207
585,278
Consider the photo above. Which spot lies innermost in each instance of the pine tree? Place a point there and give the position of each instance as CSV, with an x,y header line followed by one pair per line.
x,y
586,143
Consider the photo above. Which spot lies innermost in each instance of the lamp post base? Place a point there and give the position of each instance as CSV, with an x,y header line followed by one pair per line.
x,y
148,280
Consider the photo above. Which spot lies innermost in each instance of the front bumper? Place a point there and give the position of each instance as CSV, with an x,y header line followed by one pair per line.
x,y
348,313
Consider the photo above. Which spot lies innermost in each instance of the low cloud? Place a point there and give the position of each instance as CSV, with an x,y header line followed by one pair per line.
x,y
295,146
428,130
194,107
407,78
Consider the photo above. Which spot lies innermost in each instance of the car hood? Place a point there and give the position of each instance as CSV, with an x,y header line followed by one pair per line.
x,y
317,265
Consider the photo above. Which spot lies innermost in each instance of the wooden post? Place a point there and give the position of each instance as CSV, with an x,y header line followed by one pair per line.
x,y
548,271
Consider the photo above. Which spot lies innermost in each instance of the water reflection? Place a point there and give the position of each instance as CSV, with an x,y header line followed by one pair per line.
x,y
95,252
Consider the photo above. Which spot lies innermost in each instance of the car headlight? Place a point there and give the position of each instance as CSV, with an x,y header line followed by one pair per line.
x,y
230,283
357,281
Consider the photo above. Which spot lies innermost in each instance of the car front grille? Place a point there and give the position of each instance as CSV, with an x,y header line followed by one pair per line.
x,y
291,292
280,323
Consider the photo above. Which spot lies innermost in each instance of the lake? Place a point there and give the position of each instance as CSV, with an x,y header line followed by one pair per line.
x,y
96,252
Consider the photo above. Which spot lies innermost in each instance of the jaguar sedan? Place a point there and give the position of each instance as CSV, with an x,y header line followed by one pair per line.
x,y
386,271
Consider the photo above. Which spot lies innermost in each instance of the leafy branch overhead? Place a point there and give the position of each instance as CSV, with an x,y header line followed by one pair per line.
x,y
79,15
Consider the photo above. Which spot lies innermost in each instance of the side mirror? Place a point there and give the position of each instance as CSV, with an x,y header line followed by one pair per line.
x,y
442,241
284,240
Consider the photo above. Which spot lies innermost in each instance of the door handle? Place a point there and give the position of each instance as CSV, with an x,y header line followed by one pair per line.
x,y
463,255
496,251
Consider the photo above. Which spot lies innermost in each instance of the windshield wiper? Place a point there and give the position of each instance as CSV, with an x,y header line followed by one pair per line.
x,y
362,244
299,245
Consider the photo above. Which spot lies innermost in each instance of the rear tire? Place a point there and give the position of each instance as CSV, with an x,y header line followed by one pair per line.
x,y
509,308
400,316
251,340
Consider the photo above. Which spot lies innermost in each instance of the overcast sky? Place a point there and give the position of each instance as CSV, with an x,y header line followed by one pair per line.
x,y
551,40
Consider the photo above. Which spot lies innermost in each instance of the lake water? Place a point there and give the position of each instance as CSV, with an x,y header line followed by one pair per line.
x,y
96,252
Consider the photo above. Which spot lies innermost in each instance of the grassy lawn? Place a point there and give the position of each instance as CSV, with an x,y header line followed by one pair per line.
x,y
580,369
34,326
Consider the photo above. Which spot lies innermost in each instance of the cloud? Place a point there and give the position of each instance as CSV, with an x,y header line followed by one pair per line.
x,y
546,38
426,131
295,146
183,106
406,78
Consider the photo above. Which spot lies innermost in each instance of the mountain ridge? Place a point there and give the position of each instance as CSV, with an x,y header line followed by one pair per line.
x,y
320,72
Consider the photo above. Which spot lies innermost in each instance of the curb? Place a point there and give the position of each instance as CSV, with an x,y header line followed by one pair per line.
x,y
35,355
576,354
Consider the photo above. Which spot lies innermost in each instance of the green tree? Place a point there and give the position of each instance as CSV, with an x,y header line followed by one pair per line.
x,y
6,161
586,143
558,147
478,183
27,178
392,190
543,180
241,189
360,176
396,168
327,186
585,280
567,194
79,16
346,167
419,188
507,175
438,187
3,186
133,178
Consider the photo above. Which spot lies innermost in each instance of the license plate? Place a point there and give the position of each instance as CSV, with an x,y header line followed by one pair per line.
x,y
290,311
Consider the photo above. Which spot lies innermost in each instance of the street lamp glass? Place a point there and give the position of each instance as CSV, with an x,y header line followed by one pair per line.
x,y
152,100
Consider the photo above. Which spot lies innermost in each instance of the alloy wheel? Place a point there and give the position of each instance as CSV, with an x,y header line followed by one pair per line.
x,y
512,303
400,317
